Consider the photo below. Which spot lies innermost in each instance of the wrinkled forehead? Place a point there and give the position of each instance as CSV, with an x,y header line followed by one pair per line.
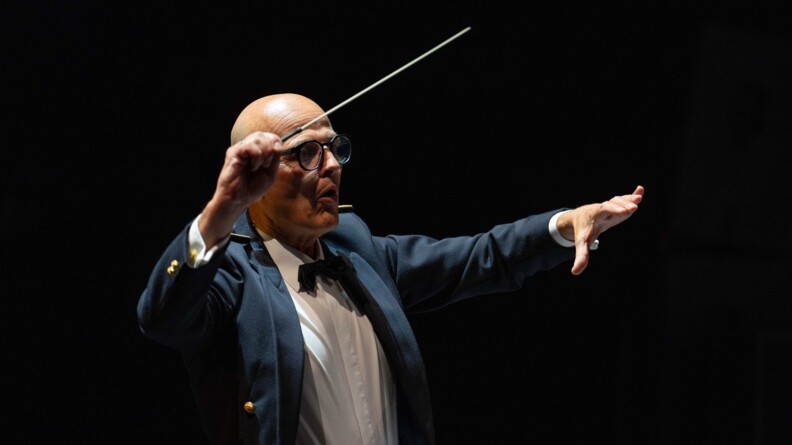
x,y
283,115
303,125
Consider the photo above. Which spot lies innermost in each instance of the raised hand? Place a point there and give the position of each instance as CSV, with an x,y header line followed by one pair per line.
x,y
248,172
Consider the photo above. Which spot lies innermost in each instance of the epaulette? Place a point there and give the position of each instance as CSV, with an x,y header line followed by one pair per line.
x,y
345,208
239,238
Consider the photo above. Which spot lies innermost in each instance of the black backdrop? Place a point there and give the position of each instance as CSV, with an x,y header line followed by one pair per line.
x,y
117,117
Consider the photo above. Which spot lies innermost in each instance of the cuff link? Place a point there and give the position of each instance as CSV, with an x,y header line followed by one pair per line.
x,y
173,269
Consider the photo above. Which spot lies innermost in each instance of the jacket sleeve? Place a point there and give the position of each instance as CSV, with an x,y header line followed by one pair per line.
x,y
184,307
431,273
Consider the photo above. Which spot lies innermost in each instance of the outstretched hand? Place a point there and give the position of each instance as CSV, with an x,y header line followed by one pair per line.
x,y
584,224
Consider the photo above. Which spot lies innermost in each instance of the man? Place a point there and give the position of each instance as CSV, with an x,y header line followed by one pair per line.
x,y
278,357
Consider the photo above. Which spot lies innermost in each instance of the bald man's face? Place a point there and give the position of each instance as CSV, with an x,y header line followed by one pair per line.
x,y
304,204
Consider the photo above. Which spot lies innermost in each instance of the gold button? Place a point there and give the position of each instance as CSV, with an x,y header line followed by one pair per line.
x,y
173,268
249,407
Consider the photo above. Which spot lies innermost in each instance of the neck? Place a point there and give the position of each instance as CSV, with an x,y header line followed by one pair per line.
x,y
307,245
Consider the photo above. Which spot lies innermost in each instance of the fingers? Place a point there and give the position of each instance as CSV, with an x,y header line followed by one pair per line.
x,y
585,237
629,202
590,221
635,197
620,205
257,150
581,258
249,170
624,204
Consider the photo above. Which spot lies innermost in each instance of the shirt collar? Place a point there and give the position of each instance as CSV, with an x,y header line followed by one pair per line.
x,y
287,258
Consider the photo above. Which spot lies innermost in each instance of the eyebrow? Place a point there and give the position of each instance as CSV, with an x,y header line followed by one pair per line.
x,y
313,140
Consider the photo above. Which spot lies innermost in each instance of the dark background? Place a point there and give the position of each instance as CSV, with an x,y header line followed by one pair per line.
x,y
116,118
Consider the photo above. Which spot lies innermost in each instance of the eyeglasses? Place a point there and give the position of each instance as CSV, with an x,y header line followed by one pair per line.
x,y
310,154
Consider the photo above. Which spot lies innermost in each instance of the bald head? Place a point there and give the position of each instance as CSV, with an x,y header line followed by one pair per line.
x,y
277,113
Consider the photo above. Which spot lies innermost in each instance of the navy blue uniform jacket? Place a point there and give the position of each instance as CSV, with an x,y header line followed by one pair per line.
x,y
236,326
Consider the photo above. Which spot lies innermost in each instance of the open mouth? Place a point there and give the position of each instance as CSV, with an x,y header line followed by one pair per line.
x,y
330,193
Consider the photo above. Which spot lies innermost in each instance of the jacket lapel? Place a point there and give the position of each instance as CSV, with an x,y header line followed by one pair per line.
x,y
398,341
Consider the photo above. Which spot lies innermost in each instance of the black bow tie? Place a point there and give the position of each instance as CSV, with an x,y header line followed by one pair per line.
x,y
333,267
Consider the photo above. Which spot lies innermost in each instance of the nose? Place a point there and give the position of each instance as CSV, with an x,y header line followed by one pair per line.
x,y
329,162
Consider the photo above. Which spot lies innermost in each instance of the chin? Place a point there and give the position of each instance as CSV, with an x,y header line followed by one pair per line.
x,y
324,229
327,218
325,209
332,222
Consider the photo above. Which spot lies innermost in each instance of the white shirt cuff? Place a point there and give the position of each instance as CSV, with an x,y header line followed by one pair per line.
x,y
553,228
198,253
